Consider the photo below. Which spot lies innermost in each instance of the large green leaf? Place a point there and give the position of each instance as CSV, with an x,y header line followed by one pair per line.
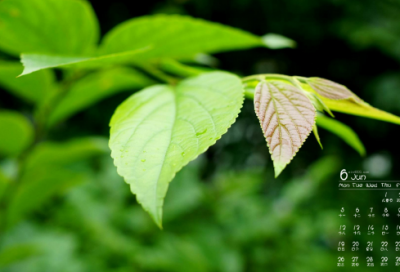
x,y
286,117
33,88
155,37
158,130
16,133
96,87
46,26
342,131
176,36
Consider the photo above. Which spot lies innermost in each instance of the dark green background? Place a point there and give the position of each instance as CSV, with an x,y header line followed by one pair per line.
x,y
226,211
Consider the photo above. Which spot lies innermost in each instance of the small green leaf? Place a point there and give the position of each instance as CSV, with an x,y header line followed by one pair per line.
x,y
316,134
286,116
96,87
16,133
276,41
337,97
360,108
33,88
46,26
36,62
317,102
158,130
342,131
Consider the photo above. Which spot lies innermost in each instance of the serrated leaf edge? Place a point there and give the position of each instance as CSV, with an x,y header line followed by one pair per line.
x,y
269,149
159,222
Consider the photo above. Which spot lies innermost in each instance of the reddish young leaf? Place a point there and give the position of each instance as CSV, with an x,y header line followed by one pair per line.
x,y
330,89
286,116
337,97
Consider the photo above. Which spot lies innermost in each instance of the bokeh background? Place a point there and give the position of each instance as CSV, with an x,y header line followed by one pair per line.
x,y
226,211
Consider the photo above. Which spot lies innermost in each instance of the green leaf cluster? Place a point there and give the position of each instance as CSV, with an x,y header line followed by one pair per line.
x,y
135,54
152,38
286,107
183,108
37,184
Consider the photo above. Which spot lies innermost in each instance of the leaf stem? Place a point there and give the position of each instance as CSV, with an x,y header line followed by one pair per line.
x,y
249,93
249,87
296,82
292,79
158,74
301,79
49,105
266,76
176,68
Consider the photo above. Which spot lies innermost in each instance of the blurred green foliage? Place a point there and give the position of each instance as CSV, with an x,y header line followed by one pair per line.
x,y
224,225
225,211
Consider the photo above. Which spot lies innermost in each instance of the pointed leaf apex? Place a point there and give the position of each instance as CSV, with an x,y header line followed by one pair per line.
x,y
158,221
278,168
316,134
276,41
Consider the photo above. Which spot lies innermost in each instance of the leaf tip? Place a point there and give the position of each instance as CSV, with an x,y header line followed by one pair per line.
x,y
26,70
23,73
276,41
278,167
159,224
363,152
316,134
157,218
156,215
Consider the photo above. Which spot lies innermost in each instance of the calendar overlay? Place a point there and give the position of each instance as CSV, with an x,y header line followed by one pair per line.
x,y
386,185
369,236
